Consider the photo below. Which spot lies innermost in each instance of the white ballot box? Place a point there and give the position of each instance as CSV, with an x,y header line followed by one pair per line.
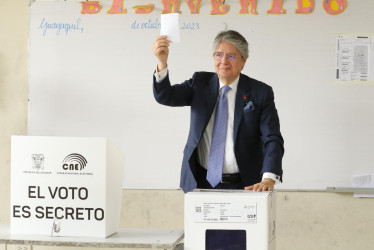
x,y
65,186
232,219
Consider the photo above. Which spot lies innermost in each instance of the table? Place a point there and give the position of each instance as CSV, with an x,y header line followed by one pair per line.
x,y
124,238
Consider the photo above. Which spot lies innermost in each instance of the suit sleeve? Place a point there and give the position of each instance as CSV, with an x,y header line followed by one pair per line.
x,y
272,139
176,95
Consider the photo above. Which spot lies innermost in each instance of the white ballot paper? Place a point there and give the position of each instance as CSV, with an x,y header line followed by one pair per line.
x,y
170,26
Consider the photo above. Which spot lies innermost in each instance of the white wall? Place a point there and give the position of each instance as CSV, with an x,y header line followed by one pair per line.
x,y
98,83
13,88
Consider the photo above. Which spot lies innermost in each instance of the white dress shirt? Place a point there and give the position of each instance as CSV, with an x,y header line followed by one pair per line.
x,y
230,165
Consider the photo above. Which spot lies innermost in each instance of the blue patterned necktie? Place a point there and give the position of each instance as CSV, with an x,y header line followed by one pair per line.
x,y
217,148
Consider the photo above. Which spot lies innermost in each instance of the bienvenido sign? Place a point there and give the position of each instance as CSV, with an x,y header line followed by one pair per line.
x,y
218,7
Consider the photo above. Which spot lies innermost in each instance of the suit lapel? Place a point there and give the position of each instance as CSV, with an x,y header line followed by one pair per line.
x,y
242,93
211,96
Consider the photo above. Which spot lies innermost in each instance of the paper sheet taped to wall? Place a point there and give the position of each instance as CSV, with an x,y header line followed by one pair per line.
x,y
355,58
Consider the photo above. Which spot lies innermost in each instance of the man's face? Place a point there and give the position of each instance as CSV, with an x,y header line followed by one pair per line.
x,y
228,62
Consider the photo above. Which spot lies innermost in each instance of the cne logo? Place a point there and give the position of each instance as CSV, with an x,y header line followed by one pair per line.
x,y
74,162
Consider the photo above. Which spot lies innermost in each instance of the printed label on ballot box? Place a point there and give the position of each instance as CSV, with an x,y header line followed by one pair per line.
x,y
225,212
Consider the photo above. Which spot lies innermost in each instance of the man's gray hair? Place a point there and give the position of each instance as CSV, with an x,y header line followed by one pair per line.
x,y
235,38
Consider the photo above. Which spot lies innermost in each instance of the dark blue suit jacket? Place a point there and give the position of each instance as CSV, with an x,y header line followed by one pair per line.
x,y
257,138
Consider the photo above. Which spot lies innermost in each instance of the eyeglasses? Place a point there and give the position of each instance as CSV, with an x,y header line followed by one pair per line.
x,y
219,56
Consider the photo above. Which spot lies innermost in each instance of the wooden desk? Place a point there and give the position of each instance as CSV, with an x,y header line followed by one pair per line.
x,y
124,238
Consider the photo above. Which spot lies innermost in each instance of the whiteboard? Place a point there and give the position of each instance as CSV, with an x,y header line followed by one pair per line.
x,y
96,80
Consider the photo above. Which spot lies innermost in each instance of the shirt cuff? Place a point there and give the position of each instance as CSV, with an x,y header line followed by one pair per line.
x,y
272,176
160,76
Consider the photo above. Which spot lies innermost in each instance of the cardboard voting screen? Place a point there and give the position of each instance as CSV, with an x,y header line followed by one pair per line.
x,y
64,186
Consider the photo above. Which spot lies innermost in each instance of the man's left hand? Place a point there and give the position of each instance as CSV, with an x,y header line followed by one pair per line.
x,y
266,184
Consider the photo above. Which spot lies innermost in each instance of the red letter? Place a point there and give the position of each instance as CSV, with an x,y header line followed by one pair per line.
x,y
334,7
90,7
143,9
305,6
244,4
276,8
117,8
219,8
194,8
170,6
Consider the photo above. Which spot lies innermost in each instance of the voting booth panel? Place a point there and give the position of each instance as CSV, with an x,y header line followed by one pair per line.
x,y
234,219
65,186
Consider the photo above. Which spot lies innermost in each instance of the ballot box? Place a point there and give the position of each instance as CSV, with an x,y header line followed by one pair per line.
x,y
65,186
235,220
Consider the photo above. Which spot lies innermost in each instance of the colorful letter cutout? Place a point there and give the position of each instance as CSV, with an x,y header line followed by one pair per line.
x,y
194,8
117,8
244,6
91,7
144,9
170,6
276,7
219,7
305,6
334,7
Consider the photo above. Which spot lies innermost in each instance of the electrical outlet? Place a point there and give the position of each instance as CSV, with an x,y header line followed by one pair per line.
x,y
18,247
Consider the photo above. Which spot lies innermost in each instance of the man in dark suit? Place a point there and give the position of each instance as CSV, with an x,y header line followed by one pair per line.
x,y
251,144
